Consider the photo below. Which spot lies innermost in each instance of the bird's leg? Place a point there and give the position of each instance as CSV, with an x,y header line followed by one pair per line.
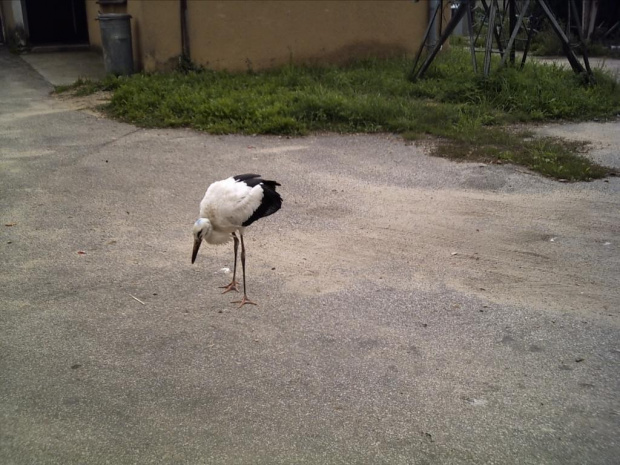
x,y
233,284
245,299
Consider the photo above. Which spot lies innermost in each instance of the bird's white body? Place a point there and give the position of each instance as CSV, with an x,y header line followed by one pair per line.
x,y
227,204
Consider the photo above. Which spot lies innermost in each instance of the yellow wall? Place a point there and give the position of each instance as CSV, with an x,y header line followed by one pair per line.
x,y
261,34
238,35
94,36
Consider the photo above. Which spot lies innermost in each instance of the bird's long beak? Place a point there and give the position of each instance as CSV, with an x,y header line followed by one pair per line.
x,y
197,243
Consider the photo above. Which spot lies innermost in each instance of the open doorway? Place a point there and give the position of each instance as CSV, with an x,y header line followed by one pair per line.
x,y
56,22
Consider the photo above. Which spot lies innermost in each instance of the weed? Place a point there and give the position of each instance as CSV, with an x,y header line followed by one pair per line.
x,y
186,65
83,87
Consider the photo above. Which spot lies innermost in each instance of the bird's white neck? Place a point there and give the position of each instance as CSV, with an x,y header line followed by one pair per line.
x,y
203,230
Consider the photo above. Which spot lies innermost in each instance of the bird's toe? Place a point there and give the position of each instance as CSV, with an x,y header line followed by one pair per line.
x,y
243,302
231,287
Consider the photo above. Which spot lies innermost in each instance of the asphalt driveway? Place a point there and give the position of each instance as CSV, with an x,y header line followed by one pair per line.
x,y
411,309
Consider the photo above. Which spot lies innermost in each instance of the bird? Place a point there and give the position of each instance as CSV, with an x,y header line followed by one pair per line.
x,y
228,207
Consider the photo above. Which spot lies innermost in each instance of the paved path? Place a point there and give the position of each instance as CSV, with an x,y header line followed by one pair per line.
x,y
412,310
64,68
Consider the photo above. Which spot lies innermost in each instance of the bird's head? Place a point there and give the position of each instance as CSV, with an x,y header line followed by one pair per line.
x,y
202,228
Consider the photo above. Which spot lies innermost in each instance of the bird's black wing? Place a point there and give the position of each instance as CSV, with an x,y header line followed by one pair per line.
x,y
246,177
271,202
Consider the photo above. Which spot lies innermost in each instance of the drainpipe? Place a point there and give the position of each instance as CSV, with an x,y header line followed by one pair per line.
x,y
184,31
433,35
2,34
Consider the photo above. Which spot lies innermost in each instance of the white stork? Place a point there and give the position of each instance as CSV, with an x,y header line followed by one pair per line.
x,y
228,207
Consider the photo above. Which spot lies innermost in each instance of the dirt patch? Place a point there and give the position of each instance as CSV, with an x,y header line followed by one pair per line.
x,y
533,250
552,249
87,103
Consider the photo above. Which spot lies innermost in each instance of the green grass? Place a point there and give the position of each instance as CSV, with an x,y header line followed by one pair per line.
x,y
451,102
552,157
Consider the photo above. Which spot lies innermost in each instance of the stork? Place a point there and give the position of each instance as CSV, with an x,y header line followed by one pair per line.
x,y
228,207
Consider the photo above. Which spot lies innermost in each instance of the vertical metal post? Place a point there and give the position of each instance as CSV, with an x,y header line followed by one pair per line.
x,y
593,13
489,42
582,42
528,42
585,15
512,12
470,30
495,33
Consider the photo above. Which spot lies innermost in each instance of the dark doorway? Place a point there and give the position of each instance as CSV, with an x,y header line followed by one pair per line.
x,y
57,21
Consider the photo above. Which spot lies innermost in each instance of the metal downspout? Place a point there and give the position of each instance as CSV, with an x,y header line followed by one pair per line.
x,y
185,50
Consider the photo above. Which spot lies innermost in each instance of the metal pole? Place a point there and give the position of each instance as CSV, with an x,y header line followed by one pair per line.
x,y
526,49
495,33
433,7
484,18
424,39
513,36
512,11
572,59
593,13
184,30
489,42
582,42
460,13
470,30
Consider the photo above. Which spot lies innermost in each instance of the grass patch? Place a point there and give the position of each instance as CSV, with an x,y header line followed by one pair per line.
x,y
452,103
552,157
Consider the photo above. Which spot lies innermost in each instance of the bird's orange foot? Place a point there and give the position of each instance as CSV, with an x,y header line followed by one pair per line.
x,y
243,301
231,287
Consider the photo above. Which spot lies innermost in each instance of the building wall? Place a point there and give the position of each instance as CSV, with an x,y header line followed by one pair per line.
x,y
237,35
242,34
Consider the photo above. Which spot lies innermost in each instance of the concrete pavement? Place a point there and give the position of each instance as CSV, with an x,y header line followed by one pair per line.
x,y
411,309
64,68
